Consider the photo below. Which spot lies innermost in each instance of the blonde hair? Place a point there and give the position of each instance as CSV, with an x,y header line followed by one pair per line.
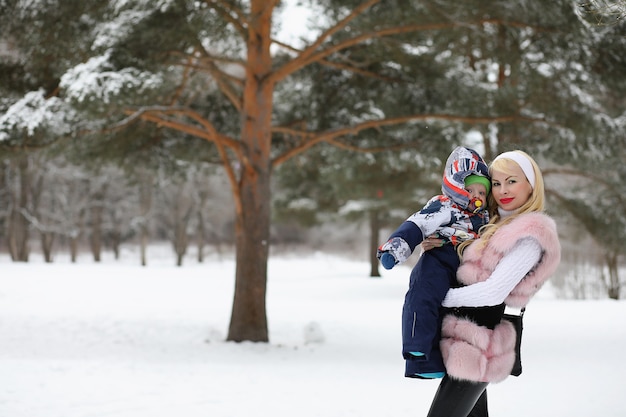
x,y
535,203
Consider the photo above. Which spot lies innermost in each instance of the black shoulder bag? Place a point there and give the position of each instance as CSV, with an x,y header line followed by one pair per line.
x,y
516,321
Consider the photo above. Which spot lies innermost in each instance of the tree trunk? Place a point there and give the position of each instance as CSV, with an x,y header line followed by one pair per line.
x,y
47,240
73,249
18,233
143,243
201,233
249,319
116,243
145,205
75,236
614,284
115,234
374,242
180,238
95,237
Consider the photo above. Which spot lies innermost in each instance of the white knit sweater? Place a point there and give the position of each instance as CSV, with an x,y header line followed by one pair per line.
x,y
512,268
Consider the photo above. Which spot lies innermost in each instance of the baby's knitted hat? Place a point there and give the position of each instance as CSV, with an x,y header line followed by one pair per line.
x,y
461,163
478,179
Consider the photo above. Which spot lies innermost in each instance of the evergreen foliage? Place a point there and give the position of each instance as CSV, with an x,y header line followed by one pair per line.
x,y
361,115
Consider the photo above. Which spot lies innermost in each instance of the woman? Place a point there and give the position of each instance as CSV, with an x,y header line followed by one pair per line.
x,y
517,252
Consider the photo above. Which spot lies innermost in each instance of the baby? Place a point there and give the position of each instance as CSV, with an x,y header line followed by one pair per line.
x,y
455,216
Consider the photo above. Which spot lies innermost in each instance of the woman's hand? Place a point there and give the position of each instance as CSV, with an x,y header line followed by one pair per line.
x,y
433,241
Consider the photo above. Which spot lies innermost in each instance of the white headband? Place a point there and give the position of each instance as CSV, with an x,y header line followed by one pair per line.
x,y
523,162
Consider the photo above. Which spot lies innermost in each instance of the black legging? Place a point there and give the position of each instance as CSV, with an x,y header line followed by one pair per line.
x,y
456,398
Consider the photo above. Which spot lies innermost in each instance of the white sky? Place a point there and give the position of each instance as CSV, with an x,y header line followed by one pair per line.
x,y
294,22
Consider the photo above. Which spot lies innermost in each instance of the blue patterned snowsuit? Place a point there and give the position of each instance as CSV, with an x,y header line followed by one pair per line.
x,y
435,272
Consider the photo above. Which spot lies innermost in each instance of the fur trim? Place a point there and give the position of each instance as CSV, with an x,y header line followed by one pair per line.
x,y
466,331
475,353
478,263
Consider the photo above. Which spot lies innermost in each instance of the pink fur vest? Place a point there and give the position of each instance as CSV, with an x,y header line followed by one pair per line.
x,y
474,352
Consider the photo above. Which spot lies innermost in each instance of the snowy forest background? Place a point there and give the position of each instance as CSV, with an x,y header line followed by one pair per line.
x,y
222,125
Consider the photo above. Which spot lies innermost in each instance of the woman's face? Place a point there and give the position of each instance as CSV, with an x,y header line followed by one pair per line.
x,y
510,190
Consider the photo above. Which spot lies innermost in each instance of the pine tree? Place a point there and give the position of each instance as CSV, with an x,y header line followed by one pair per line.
x,y
521,73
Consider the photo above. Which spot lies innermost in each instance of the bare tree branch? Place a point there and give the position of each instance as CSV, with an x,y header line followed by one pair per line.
x,y
337,65
309,55
589,175
231,14
156,114
602,12
225,83
310,139
305,56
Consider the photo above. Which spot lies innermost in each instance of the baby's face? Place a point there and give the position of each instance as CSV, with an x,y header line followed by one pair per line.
x,y
477,192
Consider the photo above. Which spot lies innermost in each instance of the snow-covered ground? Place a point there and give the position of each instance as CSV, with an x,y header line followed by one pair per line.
x,y
119,340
